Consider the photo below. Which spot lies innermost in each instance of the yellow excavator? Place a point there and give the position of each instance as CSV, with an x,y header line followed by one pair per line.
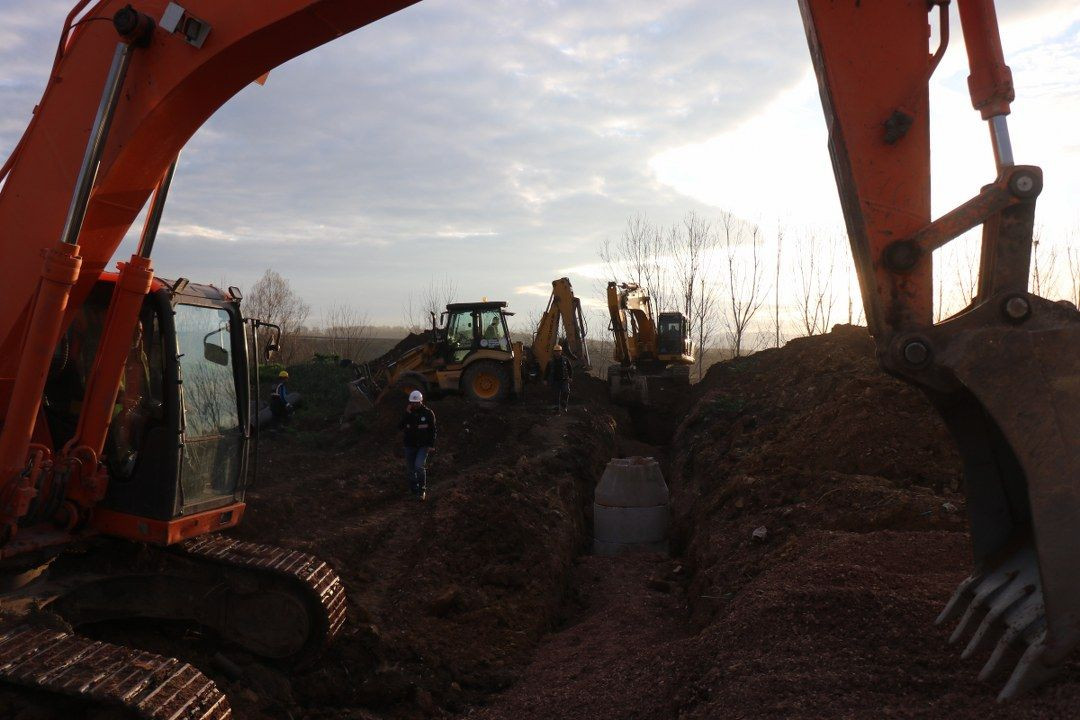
x,y
649,355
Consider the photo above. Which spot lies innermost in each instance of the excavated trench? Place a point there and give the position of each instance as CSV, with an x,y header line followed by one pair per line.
x,y
816,533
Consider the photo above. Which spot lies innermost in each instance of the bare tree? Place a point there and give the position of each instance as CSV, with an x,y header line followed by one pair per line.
x,y
742,248
642,255
272,300
1044,266
346,332
1073,256
816,297
418,309
693,246
967,276
776,284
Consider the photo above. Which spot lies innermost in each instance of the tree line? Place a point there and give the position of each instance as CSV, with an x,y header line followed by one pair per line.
x,y
740,286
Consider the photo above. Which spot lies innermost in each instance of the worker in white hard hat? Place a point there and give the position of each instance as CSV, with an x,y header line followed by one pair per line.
x,y
419,426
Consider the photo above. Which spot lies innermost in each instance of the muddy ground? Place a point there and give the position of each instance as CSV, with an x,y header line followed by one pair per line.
x,y
484,603
818,530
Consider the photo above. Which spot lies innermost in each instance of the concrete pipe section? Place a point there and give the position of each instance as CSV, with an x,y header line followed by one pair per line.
x,y
630,507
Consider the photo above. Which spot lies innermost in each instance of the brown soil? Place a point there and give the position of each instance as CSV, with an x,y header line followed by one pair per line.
x,y
818,530
448,597
851,475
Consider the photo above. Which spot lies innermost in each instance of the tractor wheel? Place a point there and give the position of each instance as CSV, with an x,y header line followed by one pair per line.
x,y
411,381
486,381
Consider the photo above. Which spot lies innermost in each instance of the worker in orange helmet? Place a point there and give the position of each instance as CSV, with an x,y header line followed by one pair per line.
x,y
280,407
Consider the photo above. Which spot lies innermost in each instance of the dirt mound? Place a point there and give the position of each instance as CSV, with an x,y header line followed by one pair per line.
x,y
816,503
407,343
447,597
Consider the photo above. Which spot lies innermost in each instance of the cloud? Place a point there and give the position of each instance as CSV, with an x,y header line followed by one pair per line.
x,y
492,141
540,289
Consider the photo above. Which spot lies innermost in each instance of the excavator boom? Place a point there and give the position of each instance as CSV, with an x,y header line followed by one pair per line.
x,y
1003,373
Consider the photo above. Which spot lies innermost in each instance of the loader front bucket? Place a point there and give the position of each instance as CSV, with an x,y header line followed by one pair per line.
x,y
359,403
1017,422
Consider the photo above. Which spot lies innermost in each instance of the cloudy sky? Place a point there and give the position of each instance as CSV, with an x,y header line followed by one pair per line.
x,y
499,142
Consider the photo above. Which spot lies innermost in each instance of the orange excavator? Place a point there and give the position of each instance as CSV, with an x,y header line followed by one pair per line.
x,y
1004,372
126,438
121,441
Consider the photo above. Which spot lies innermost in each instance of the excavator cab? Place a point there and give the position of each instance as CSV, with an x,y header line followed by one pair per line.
x,y
177,448
673,332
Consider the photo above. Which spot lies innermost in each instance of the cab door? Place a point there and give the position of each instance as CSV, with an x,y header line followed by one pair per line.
x,y
460,336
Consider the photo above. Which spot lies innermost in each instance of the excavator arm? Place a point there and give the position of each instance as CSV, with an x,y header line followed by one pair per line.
x,y
1003,373
563,309
122,99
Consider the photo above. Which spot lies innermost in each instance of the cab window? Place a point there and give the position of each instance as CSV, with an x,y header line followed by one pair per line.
x,y
212,432
493,331
459,335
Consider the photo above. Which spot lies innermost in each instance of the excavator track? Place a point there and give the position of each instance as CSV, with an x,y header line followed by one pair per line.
x,y
149,686
318,579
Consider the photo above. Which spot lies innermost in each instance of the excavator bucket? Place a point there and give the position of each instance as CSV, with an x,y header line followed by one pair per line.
x,y
1018,428
626,386
1004,373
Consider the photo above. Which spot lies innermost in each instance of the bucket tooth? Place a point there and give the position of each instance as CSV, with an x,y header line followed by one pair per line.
x,y
1030,672
1006,609
984,591
956,603
1021,587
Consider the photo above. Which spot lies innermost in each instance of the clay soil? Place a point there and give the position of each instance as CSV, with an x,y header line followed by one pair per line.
x,y
818,529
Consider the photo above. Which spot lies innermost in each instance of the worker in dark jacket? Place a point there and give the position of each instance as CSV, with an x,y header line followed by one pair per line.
x,y
559,375
419,426
280,407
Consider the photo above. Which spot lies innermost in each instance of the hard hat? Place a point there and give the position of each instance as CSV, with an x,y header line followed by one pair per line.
x,y
283,375
557,348
416,396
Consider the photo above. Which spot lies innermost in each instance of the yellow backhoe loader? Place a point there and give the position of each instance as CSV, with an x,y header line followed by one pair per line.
x,y
468,351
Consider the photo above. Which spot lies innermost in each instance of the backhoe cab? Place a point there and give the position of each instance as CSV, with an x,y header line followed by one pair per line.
x,y
469,351
649,357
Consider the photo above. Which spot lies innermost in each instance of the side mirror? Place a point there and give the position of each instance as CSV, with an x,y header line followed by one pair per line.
x,y
215,353
273,343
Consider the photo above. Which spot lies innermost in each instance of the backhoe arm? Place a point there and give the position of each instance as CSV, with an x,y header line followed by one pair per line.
x,y
563,309
1004,372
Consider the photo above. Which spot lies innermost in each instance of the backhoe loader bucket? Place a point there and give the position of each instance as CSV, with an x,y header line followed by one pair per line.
x,y
1017,423
359,402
